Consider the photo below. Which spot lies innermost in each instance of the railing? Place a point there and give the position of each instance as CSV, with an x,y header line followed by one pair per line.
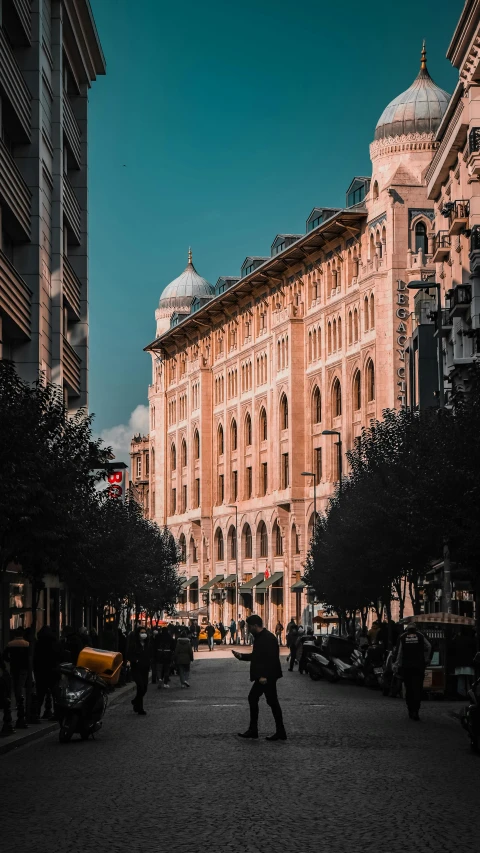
x,y
14,86
457,212
72,130
474,140
442,245
14,192
72,286
71,363
15,296
71,209
24,13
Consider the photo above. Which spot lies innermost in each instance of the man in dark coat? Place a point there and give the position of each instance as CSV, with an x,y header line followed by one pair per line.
x,y
412,656
265,670
46,660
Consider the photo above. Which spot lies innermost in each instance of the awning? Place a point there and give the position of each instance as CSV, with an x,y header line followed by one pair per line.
x,y
439,619
200,611
298,586
230,579
277,576
186,582
248,585
211,583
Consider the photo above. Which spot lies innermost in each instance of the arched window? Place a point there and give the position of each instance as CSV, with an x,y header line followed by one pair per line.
x,y
193,550
196,444
232,537
248,430
263,425
365,314
233,435
355,325
173,458
310,350
283,412
314,344
370,381
184,453
339,333
421,240
357,391
375,190
316,406
220,441
295,540
372,311
334,336
182,547
350,328
263,539
372,246
247,542
336,398
277,533
329,338
220,550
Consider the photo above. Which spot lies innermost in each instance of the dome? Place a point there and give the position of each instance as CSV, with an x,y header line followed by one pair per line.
x,y
418,110
181,292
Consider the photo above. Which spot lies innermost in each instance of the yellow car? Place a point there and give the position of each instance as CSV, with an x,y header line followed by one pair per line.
x,y
202,637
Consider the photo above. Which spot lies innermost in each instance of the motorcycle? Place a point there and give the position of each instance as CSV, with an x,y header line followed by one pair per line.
x,y
374,668
470,718
318,666
346,658
80,702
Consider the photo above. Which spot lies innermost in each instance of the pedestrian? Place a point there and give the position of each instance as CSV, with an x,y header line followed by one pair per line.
x,y
210,631
183,657
300,649
297,654
165,647
374,630
278,632
292,636
223,633
154,653
233,632
46,660
265,670
412,656
194,636
139,656
241,625
17,656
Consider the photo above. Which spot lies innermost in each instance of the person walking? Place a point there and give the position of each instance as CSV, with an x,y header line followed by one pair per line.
x,y
46,659
233,632
241,625
194,636
412,656
210,631
165,648
183,657
223,633
292,636
278,632
17,655
139,656
265,670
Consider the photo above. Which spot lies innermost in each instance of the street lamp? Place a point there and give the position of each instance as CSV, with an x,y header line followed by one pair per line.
x,y
426,285
312,474
339,445
235,507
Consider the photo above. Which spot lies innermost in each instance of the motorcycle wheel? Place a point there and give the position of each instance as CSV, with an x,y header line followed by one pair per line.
x,y
67,730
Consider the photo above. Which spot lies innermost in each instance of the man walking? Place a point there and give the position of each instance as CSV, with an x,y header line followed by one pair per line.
x,y
265,670
233,632
210,631
412,656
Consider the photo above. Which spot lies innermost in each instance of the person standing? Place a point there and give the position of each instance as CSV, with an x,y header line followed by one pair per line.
x,y
17,655
292,636
183,657
194,636
412,656
233,632
165,648
223,633
278,632
210,631
265,670
139,657
241,625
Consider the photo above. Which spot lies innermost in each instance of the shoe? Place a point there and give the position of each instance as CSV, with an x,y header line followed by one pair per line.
x,y
187,684
249,734
141,712
21,724
183,686
167,686
278,736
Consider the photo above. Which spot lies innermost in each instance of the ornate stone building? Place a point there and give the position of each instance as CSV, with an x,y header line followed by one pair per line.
x,y
139,485
248,375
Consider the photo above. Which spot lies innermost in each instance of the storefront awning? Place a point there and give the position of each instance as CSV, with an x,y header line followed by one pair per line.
x,y
298,586
277,576
186,582
439,618
248,585
230,579
211,583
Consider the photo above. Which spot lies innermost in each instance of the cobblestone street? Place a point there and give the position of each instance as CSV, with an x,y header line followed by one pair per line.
x,y
355,772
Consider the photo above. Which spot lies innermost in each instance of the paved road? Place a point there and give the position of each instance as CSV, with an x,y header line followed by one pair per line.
x,y
355,773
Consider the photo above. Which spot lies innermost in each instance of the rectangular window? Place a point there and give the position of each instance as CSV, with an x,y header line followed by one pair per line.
x,y
264,478
147,464
184,498
139,466
197,493
285,471
318,463
174,502
248,483
221,488
234,485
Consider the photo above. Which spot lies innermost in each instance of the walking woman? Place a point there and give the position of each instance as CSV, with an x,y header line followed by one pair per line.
x,y
139,657
165,649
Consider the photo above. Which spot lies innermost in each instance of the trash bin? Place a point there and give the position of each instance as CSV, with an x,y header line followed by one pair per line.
x,y
106,664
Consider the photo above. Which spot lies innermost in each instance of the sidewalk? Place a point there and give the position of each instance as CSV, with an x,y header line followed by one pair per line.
x,y
45,727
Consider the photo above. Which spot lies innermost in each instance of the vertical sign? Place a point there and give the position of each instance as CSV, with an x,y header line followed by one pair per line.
x,y
401,315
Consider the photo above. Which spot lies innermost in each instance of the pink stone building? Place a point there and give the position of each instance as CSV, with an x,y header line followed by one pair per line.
x,y
248,374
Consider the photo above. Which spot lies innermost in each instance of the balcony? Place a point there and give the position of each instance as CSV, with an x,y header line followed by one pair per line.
x,y
24,15
14,192
72,131
442,247
14,87
460,299
72,287
71,209
71,363
15,296
457,213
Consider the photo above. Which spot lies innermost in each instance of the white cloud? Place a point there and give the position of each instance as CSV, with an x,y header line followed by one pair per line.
x,y
119,437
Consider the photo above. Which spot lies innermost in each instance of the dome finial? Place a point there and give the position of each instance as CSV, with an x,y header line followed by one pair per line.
x,y
423,63
189,255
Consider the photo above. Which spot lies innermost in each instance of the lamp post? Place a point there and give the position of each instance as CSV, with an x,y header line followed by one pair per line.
x,y
425,285
235,507
312,474
339,445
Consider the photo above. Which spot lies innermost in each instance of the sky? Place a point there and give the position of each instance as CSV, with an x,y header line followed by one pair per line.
x,y
218,126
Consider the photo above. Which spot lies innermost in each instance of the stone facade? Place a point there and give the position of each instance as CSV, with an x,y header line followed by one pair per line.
x,y
140,471
244,384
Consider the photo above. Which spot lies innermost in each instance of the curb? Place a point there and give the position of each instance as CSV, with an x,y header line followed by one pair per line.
x,y
7,744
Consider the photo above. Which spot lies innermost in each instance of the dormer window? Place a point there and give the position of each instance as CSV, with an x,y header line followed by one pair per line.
x,y
357,191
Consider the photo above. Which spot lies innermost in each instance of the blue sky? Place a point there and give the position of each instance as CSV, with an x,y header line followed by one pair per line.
x,y
218,126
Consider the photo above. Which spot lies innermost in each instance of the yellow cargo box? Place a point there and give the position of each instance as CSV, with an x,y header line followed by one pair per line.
x,y
106,664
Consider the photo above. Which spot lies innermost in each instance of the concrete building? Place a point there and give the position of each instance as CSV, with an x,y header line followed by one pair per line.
x,y
311,338
50,55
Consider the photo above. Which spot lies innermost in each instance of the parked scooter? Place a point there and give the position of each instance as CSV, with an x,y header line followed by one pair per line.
x,y
373,663
470,718
318,665
346,658
80,702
